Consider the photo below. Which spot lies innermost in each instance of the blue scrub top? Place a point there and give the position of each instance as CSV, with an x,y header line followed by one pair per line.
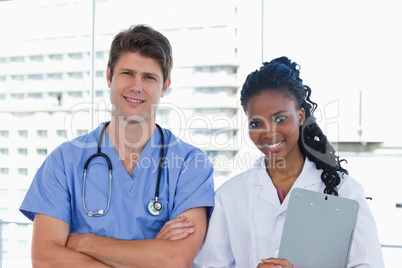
x,y
56,190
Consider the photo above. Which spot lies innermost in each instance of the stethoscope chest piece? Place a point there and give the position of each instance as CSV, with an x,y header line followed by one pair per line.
x,y
155,207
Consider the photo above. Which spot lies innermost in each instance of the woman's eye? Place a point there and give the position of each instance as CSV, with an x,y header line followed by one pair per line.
x,y
281,118
254,124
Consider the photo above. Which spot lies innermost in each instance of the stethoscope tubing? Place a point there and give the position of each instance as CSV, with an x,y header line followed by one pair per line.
x,y
154,206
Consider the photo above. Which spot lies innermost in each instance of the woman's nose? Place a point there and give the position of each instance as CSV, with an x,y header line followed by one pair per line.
x,y
270,129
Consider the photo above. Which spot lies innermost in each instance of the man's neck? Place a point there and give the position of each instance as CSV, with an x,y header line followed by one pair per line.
x,y
129,140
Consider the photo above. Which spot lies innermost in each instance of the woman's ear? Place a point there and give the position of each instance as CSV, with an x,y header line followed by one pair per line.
x,y
302,116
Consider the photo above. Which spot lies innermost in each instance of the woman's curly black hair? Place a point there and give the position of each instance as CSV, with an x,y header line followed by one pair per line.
x,y
284,75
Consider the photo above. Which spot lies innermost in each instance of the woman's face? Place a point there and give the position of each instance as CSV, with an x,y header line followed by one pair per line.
x,y
274,122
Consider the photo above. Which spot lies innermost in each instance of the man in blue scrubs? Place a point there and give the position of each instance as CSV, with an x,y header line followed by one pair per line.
x,y
75,229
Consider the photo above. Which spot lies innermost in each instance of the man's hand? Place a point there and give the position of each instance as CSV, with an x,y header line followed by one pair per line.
x,y
176,229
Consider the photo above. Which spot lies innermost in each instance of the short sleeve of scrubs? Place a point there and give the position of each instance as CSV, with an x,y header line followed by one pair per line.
x,y
48,193
195,187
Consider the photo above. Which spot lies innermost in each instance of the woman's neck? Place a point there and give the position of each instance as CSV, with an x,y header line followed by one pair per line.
x,y
284,172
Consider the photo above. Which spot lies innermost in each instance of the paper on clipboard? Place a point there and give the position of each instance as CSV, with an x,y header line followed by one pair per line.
x,y
318,229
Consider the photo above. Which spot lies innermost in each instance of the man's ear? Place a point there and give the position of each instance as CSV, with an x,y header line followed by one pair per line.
x,y
108,77
166,87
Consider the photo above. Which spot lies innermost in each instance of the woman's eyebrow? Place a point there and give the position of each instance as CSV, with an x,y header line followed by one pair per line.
x,y
279,112
273,115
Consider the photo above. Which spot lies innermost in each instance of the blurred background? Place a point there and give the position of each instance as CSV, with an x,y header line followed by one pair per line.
x,y
53,58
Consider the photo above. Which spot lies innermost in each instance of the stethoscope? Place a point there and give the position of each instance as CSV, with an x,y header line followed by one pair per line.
x,y
154,206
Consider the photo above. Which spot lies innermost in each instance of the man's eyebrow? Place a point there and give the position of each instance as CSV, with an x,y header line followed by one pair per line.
x,y
125,70
150,73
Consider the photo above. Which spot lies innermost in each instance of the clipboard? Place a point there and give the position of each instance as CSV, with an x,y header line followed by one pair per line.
x,y
318,229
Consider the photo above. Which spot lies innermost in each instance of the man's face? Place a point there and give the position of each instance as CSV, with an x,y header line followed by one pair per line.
x,y
136,88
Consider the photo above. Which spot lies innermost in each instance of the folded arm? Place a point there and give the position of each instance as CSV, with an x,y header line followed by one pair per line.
x,y
146,253
49,246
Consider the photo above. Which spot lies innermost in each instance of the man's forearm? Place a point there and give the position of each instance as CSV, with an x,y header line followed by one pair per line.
x,y
59,256
49,249
134,253
148,252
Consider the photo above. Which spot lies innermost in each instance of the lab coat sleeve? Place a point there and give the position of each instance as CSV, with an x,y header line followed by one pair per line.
x,y
366,248
216,251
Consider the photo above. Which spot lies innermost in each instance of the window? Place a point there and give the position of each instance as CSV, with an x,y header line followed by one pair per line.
x,y
36,77
23,133
100,55
99,94
4,171
82,132
4,151
76,75
100,74
37,58
3,60
3,213
22,244
56,76
18,96
56,57
3,78
17,59
3,194
41,151
4,133
76,56
35,95
21,194
61,133
41,133
22,151
19,77
22,171
75,94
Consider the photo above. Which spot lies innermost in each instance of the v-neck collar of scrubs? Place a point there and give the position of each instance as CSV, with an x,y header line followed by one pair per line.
x,y
149,157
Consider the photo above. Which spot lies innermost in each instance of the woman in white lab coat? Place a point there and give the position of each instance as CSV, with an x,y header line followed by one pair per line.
x,y
250,209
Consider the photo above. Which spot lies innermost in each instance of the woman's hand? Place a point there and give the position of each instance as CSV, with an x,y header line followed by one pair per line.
x,y
275,262
176,229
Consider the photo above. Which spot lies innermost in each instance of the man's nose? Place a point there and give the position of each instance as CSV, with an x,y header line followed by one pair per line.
x,y
136,84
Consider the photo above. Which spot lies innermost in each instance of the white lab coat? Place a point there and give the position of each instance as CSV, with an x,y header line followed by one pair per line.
x,y
248,218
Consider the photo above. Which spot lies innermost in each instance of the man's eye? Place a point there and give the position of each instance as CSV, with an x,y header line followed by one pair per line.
x,y
281,118
254,124
149,77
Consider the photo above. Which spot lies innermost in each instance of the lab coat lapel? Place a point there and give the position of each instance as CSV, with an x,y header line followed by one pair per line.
x,y
308,177
260,178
